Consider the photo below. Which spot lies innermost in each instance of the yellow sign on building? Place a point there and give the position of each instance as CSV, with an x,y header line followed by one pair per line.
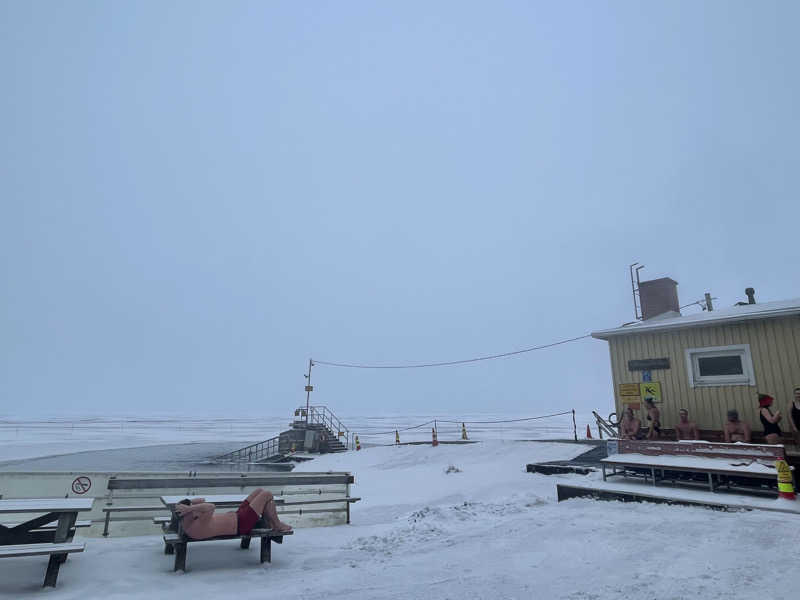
x,y
651,390
629,395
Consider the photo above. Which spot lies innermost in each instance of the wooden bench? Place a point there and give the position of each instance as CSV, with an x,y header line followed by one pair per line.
x,y
55,551
112,509
675,461
315,482
178,543
53,525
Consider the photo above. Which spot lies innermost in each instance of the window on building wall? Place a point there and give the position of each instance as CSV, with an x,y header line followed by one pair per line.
x,y
720,365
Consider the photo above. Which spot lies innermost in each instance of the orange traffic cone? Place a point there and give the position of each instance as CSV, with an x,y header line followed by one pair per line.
x,y
588,433
358,444
785,487
435,440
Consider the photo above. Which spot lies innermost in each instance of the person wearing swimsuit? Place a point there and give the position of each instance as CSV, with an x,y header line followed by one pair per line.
x,y
199,521
629,426
794,413
772,431
654,416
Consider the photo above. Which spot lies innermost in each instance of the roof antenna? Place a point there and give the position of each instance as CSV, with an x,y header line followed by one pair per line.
x,y
637,303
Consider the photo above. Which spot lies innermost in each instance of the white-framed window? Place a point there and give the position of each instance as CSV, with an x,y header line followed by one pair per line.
x,y
720,365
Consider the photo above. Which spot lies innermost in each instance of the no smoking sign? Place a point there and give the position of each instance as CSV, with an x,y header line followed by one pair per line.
x,y
81,485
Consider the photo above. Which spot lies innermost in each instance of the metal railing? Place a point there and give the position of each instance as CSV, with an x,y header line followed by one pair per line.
x,y
322,415
606,426
254,452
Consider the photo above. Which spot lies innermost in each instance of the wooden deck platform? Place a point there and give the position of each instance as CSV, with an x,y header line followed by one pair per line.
x,y
638,493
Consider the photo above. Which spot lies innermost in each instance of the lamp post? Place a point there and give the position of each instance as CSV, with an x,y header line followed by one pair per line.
x,y
309,387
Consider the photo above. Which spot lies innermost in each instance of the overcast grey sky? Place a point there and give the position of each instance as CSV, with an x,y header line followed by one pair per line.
x,y
197,197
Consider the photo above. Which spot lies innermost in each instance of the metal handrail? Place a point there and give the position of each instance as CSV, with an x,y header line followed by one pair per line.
x,y
322,415
605,426
254,452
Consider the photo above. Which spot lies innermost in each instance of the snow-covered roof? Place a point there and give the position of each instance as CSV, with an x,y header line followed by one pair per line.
x,y
747,312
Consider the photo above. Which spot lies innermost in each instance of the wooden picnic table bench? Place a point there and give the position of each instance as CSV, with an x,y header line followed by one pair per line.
x,y
674,460
38,536
305,484
176,541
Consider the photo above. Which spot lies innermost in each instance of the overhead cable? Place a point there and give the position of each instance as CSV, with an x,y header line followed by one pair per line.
x,y
452,362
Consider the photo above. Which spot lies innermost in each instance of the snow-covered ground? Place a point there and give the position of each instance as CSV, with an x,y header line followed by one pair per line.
x,y
487,529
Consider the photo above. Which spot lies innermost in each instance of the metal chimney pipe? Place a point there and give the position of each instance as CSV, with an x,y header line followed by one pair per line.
x,y
709,306
751,295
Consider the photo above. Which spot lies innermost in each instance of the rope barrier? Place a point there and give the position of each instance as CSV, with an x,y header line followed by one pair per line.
x,y
436,422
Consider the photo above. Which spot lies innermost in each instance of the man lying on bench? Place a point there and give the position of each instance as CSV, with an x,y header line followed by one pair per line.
x,y
200,523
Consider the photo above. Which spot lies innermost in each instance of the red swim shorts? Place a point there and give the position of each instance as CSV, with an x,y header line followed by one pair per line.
x,y
246,517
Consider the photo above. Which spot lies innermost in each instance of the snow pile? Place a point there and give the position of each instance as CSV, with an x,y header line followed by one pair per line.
x,y
489,531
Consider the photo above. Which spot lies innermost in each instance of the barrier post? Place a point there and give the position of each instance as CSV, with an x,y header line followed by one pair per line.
x,y
785,487
574,426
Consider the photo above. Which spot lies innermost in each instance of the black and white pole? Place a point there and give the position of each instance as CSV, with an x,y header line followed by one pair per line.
x,y
574,426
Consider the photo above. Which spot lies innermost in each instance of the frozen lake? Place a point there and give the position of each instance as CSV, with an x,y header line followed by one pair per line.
x,y
167,443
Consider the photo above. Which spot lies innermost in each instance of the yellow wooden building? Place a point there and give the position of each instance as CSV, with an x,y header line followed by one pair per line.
x,y
708,362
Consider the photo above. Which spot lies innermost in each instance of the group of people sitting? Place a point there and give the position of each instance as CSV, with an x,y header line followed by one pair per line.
x,y
734,430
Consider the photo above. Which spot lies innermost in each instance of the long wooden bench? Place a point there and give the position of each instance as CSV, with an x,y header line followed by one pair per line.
x,y
112,509
179,543
55,551
314,481
682,461
53,525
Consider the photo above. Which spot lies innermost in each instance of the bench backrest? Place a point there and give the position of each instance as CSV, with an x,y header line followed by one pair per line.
x,y
265,481
760,452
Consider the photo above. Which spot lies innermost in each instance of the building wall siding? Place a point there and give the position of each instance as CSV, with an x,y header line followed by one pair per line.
x,y
775,350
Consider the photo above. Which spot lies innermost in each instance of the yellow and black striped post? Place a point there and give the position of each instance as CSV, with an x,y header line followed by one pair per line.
x,y
358,444
785,487
396,436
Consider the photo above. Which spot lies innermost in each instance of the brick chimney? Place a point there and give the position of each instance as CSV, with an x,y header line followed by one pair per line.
x,y
658,296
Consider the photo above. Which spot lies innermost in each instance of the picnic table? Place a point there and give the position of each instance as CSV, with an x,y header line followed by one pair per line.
x,y
36,536
62,511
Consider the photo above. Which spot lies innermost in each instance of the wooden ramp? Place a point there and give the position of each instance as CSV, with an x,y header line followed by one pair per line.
x,y
638,493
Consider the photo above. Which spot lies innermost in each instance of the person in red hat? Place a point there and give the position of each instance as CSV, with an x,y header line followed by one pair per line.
x,y
772,431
